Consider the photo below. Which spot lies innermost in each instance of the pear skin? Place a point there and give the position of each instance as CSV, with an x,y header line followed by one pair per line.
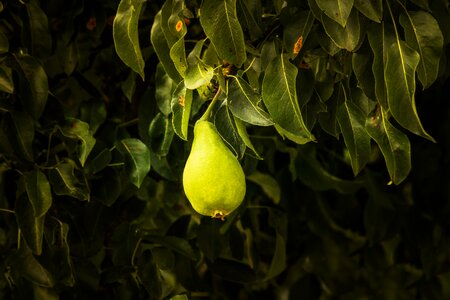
x,y
213,179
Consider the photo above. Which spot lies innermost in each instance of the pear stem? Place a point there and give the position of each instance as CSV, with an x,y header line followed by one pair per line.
x,y
207,115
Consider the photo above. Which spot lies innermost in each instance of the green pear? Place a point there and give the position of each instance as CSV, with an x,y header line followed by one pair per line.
x,y
213,179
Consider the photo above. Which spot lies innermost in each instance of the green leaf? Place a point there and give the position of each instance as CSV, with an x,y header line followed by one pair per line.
x,y
32,227
137,159
393,143
181,108
399,72
362,67
126,35
6,80
174,243
162,49
198,75
344,37
268,184
352,120
93,113
249,13
19,127
296,25
99,161
129,86
163,90
161,134
224,122
373,9
244,103
34,84
219,21
280,97
242,131
338,10
64,181
39,33
38,191
79,131
422,33
178,56
278,264
422,4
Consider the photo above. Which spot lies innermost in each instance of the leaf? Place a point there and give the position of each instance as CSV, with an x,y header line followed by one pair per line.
x,y
6,80
278,264
280,97
244,103
19,128
373,9
161,134
64,181
344,37
137,159
34,84
233,270
249,13
198,75
174,243
296,25
126,35
338,10
352,120
163,90
38,191
32,227
162,49
93,113
39,33
393,143
128,86
178,56
399,72
181,109
23,261
79,131
422,33
219,21
242,131
224,122
362,67
268,184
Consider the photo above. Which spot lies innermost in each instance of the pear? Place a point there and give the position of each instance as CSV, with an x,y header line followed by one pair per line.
x,y
213,179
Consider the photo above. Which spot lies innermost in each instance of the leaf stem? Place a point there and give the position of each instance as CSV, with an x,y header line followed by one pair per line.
x,y
7,210
207,115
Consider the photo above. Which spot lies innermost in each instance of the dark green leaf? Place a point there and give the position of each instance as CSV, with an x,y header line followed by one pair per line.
x,y
137,159
280,97
4,43
38,191
181,108
34,85
249,13
226,127
93,113
373,9
393,143
27,266
162,49
174,243
6,80
220,23
344,37
99,161
161,134
352,121
244,103
296,25
233,270
362,67
242,131
163,90
32,227
125,33
64,181
40,38
79,131
108,187
19,128
338,10
149,276
399,72
268,184
422,33
129,86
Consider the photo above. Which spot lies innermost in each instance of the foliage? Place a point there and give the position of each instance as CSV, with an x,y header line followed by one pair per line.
x,y
329,105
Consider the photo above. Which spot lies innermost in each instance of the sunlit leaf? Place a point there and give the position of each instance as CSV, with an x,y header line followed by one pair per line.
x,y
38,191
163,90
162,49
352,121
126,37
423,34
242,131
181,109
393,143
280,97
137,159
198,75
33,79
219,21
244,103
338,10
373,9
